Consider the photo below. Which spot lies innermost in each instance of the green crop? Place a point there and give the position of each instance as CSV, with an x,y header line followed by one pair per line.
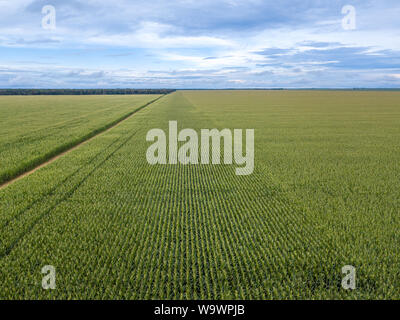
x,y
35,128
324,193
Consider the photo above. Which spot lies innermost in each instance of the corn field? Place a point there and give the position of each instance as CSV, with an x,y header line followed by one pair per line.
x,y
325,193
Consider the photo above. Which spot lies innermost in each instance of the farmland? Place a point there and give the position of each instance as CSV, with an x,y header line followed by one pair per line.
x,y
33,129
325,192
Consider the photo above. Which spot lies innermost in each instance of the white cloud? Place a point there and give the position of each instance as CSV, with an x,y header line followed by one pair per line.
x,y
196,39
239,81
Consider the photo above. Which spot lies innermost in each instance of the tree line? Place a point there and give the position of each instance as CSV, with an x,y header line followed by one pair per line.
x,y
12,92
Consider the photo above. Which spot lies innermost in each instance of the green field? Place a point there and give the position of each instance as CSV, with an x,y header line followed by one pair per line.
x,y
35,128
325,193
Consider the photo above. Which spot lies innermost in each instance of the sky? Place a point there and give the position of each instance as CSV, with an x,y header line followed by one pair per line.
x,y
200,44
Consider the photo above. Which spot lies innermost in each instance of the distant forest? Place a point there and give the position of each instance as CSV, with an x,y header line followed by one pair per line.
x,y
26,92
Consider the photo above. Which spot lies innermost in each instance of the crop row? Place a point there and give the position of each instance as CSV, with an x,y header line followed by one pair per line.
x,y
115,227
35,129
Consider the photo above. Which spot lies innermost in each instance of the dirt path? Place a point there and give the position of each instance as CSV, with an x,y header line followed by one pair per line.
x,y
52,159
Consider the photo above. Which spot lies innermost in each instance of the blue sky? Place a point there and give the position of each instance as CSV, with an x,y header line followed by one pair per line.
x,y
199,44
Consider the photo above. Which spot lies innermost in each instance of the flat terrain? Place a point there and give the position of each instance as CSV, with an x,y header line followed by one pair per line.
x,y
35,128
325,193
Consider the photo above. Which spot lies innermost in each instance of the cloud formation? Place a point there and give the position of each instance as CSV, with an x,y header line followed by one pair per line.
x,y
199,44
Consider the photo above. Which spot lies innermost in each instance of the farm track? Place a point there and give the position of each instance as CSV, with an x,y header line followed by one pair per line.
x,y
214,233
14,226
117,228
63,150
